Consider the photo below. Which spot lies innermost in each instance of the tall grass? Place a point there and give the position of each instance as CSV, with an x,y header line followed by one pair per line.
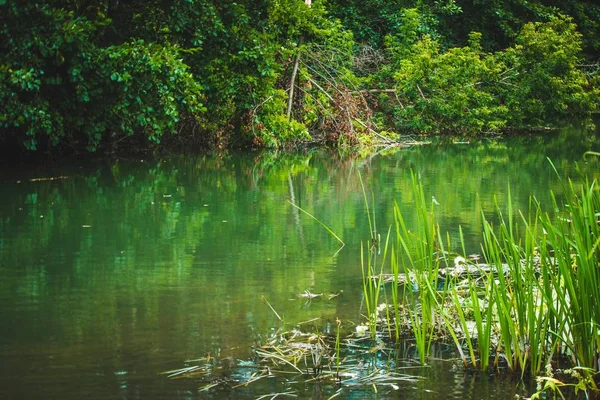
x,y
571,272
372,279
418,254
372,268
541,294
534,300
516,291
395,267
338,360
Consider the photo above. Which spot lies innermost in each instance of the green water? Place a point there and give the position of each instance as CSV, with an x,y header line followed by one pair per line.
x,y
117,270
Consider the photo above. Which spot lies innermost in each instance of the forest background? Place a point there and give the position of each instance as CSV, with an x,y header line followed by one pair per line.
x,y
116,75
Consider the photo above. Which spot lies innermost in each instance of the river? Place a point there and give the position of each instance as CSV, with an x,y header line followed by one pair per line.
x,y
112,271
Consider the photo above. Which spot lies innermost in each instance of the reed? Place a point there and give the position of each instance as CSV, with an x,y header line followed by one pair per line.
x,y
571,272
520,312
372,280
543,297
337,348
464,326
417,254
475,331
534,298
541,344
395,268
372,268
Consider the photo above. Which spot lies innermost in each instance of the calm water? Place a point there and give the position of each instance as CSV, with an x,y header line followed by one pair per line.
x,y
115,271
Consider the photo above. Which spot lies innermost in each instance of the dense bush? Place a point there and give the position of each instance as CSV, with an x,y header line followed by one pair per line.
x,y
58,85
466,90
88,75
547,85
452,21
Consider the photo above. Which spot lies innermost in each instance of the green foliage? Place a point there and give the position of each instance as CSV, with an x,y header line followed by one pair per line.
x,y
270,125
451,22
88,75
448,91
545,84
466,90
245,65
57,84
501,22
84,76
35,67
150,87
372,20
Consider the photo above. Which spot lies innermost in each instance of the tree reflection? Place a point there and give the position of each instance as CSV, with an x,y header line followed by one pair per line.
x,y
170,257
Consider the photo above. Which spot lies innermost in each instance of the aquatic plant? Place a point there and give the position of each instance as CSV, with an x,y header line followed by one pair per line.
x,y
372,279
481,312
570,255
418,254
529,307
337,347
519,310
547,290
534,299
395,267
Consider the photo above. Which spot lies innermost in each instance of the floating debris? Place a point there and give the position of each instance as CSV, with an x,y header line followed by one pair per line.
x,y
334,295
54,178
337,367
308,295
362,330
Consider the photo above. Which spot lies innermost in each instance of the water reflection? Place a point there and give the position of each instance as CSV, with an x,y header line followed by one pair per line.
x,y
119,270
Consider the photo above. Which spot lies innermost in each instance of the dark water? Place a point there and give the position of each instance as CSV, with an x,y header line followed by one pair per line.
x,y
115,271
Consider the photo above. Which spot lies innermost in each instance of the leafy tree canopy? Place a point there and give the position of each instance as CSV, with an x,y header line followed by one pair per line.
x,y
111,74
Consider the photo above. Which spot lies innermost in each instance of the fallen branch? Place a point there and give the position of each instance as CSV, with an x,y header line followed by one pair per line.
x,y
387,140
293,81
421,92
375,91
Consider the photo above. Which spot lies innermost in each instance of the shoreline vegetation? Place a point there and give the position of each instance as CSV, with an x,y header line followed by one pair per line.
x,y
525,308
116,76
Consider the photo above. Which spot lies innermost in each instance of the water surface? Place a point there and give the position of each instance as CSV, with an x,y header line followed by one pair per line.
x,y
113,271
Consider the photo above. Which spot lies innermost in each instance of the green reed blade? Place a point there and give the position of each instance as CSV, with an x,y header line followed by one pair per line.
x,y
320,222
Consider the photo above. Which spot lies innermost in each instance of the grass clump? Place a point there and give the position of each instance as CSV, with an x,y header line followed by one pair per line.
x,y
532,303
418,255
